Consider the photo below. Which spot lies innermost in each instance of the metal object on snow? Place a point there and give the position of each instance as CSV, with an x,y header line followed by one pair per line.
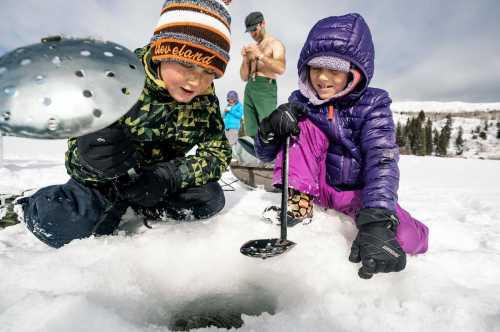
x,y
65,87
267,248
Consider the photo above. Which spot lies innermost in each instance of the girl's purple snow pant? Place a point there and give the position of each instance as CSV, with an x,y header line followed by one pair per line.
x,y
307,174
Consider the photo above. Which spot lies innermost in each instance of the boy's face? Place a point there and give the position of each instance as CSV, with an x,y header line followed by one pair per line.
x,y
326,82
231,102
184,82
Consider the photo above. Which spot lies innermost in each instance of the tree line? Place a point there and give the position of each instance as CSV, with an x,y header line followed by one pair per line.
x,y
418,137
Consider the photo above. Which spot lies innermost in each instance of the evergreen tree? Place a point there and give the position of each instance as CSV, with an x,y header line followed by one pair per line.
x,y
483,135
435,140
444,137
428,137
421,116
486,125
415,135
400,135
422,147
498,130
459,141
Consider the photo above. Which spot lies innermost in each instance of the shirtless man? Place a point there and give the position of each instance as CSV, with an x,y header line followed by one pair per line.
x,y
262,62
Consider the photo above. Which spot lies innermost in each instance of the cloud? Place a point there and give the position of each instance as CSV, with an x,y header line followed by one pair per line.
x,y
425,50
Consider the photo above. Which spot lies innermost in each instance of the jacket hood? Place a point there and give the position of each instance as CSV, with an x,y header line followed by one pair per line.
x,y
347,37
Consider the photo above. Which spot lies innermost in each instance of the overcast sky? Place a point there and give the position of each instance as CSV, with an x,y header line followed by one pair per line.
x,y
445,50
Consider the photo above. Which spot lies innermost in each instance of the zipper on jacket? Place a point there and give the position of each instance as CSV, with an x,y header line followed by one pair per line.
x,y
331,112
337,134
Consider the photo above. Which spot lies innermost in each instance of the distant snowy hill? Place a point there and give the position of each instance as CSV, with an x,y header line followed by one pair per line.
x,y
443,107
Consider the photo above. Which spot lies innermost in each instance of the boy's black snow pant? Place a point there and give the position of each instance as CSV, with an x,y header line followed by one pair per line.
x,y
61,213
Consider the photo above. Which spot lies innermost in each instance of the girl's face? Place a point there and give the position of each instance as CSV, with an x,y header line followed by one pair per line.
x,y
184,82
326,82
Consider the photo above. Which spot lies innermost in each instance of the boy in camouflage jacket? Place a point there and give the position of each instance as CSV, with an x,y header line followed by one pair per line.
x,y
140,161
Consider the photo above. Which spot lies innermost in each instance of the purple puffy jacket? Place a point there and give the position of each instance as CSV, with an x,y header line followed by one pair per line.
x,y
363,154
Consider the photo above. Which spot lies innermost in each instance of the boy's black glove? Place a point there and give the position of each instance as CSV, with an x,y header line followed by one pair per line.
x,y
282,122
375,245
109,151
152,185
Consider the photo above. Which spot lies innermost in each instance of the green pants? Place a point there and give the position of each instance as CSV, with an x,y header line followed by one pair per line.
x,y
260,101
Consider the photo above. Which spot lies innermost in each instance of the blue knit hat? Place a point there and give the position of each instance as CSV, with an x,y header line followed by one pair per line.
x,y
233,95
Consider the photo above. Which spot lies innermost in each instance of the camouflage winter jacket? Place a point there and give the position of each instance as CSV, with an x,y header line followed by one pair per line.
x,y
163,130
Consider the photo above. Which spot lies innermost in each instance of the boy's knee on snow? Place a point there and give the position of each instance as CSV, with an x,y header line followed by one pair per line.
x,y
56,215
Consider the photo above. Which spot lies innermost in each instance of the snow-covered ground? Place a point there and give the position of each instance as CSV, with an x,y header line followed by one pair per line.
x,y
142,279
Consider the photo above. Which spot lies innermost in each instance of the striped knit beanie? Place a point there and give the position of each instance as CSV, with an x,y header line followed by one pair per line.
x,y
195,32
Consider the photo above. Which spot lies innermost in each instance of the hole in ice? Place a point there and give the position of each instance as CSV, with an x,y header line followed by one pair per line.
x,y
221,310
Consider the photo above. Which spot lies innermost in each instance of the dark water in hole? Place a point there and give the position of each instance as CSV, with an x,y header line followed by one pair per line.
x,y
221,310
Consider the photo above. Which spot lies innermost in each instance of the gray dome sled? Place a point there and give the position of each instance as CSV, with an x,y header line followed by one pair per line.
x,y
65,87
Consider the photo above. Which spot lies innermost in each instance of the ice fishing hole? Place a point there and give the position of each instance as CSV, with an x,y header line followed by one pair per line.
x,y
87,93
221,310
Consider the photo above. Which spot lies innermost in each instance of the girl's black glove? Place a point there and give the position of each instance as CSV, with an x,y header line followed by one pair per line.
x,y
375,245
282,122
109,151
152,185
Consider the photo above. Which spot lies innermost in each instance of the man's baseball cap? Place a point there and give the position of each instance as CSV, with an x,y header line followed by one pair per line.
x,y
252,20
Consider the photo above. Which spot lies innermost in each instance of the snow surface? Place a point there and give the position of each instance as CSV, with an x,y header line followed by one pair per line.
x,y
140,278
443,107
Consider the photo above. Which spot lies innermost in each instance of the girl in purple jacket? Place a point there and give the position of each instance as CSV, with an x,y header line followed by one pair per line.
x,y
344,154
